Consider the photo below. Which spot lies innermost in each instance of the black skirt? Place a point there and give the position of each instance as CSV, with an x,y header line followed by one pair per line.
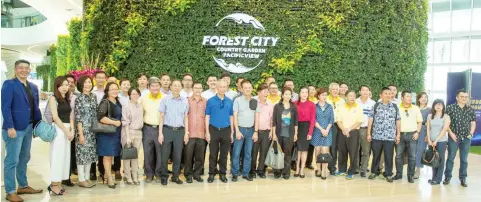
x,y
302,142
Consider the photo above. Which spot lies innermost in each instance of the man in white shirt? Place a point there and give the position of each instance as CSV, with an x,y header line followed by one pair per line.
x,y
187,81
366,104
211,82
165,82
100,78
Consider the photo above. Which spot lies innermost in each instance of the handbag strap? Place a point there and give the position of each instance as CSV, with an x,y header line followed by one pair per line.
x,y
435,153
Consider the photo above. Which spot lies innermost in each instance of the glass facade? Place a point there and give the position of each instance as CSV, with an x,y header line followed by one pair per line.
x,y
454,45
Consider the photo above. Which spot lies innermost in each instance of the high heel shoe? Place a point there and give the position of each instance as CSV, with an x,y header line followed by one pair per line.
x,y
296,175
302,176
50,191
112,186
318,173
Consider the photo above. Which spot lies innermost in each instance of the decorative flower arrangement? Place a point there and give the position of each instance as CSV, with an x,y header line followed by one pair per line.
x,y
85,71
89,66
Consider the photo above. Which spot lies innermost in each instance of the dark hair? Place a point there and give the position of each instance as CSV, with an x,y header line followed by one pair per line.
x,y
175,81
273,83
433,111
21,61
239,78
385,89
419,96
122,80
164,74
321,91
343,83
283,91
360,88
460,91
195,83
70,76
81,81
100,72
391,85
187,74
225,74
134,89
211,75
287,80
405,92
57,83
106,91
299,101
262,87
351,91
141,75
245,81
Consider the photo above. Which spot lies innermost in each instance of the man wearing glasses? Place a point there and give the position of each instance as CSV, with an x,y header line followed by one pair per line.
x,y
220,132
411,123
187,85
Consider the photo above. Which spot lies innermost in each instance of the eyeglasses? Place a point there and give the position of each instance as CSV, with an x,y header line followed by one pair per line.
x,y
407,114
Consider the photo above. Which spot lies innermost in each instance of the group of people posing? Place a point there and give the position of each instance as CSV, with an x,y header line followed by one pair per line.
x,y
175,120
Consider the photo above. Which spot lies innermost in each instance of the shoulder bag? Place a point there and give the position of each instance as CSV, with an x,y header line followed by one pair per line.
x,y
98,127
275,157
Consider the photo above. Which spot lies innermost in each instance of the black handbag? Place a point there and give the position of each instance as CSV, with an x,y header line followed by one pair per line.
x,y
431,157
128,153
98,127
324,158
294,154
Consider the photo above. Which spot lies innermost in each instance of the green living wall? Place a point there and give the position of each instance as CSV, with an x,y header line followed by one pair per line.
x,y
369,42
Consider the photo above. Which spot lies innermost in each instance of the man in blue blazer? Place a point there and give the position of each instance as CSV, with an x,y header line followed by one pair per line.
x,y
20,112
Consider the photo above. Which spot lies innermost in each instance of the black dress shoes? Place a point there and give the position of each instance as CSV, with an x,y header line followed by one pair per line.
x,y
410,179
248,178
188,179
149,179
446,181
286,177
198,179
176,180
262,175
463,182
67,183
252,175
363,174
223,178
210,179
163,181
434,183
397,177
234,178
277,175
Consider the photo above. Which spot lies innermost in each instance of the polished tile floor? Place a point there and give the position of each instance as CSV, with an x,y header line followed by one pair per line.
x,y
270,189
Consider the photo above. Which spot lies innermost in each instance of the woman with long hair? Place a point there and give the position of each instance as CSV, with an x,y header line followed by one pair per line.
x,y
322,137
85,141
437,137
59,105
306,111
284,128
422,103
108,144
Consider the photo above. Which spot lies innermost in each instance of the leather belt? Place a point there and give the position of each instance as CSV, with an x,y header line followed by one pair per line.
x,y
153,126
407,133
364,127
219,129
174,128
264,131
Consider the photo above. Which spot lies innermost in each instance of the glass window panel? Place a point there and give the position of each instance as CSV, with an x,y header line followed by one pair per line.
x,y
461,20
460,68
476,3
460,50
440,75
461,4
440,6
438,95
441,22
428,78
476,68
430,22
475,50
430,52
476,19
442,51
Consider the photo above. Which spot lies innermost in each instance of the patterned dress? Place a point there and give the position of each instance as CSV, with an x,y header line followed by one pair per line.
x,y
422,144
324,117
85,113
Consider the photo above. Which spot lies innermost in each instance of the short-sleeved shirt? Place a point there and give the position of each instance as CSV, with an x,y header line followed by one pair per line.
x,y
350,115
174,109
220,111
273,99
336,103
461,119
245,115
150,104
265,111
366,109
410,117
186,94
231,94
197,117
208,94
384,121
99,93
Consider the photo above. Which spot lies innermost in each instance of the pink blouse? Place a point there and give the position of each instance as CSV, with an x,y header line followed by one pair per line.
x,y
307,112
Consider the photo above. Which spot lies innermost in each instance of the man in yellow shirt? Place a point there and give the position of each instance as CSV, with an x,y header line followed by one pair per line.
x,y
273,97
336,103
349,120
411,122
152,148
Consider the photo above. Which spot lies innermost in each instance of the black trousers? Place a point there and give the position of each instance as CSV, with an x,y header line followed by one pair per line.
x,y
260,148
348,146
152,151
173,139
194,151
219,146
286,144
73,159
333,148
379,146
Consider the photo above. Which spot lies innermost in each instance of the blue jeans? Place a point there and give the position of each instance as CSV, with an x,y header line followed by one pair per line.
x,y
438,172
463,146
406,144
245,142
18,155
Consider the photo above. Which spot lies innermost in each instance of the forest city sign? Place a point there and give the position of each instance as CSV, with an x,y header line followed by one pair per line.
x,y
234,49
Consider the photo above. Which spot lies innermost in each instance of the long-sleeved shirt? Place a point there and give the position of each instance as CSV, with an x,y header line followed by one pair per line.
x,y
307,112
132,116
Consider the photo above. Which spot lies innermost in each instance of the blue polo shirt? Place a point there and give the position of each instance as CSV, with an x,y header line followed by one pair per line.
x,y
220,111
